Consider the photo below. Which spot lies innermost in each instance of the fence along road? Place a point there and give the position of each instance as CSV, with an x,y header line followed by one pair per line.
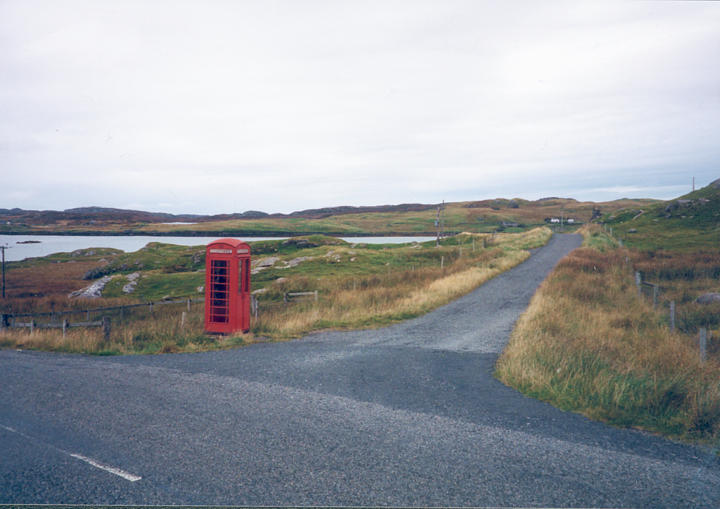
x,y
405,415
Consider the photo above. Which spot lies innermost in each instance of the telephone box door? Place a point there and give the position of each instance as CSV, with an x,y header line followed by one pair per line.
x,y
227,286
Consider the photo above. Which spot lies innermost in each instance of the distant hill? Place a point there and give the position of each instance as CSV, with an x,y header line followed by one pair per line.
x,y
403,219
336,211
86,214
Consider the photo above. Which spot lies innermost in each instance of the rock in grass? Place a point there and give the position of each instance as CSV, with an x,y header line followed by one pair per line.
x,y
299,243
708,298
296,261
263,263
92,291
132,282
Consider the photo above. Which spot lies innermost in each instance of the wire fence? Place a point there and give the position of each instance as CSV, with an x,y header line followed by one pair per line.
x,y
653,291
94,317
102,316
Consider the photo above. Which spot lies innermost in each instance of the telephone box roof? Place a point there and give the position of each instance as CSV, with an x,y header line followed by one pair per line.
x,y
228,242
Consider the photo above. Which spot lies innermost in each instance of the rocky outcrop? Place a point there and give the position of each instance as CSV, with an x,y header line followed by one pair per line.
x,y
263,263
132,282
708,298
296,261
92,291
299,243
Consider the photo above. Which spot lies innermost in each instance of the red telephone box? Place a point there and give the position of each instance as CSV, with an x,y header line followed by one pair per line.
x,y
227,286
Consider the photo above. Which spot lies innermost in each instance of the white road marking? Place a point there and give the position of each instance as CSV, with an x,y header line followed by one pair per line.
x,y
116,471
125,475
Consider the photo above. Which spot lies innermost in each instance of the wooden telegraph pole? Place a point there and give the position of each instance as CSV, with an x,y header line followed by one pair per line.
x,y
440,223
3,248
442,220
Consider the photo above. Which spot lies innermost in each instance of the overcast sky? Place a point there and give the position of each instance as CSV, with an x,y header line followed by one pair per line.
x,y
210,107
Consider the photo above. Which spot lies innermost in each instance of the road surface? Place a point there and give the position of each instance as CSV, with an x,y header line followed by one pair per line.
x,y
406,415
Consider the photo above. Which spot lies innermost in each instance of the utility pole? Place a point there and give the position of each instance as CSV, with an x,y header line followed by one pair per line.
x,y
439,223
442,220
437,228
3,248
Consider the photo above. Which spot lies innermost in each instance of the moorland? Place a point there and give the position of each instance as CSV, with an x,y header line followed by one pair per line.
x,y
591,341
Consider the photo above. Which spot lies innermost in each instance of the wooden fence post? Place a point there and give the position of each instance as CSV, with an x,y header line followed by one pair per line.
x,y
106,328
703,344
655,296
182,319
672,316
638,282
64,326
316,295
442,261
32,326
188,304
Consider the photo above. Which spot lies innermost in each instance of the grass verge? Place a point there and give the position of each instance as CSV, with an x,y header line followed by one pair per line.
x,y
588,343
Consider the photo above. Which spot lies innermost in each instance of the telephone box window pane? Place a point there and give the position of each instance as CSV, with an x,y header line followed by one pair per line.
x,y
240,276
245,275
219,291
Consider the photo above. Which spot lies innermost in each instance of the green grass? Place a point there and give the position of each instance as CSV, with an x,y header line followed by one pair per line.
x,y
598,238
689,223
156,285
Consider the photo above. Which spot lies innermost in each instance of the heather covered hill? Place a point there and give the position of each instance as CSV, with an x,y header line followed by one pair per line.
x,y
403,219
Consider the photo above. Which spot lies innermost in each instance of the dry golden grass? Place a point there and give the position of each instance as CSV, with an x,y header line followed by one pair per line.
x,y
139,331
353,302
76,340
383,300
589,343
56,280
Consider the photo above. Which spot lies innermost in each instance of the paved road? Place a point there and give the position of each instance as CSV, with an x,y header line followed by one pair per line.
x,y
406,415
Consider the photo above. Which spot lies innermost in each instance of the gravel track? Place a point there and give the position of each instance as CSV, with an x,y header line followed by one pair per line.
x,y
405,415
